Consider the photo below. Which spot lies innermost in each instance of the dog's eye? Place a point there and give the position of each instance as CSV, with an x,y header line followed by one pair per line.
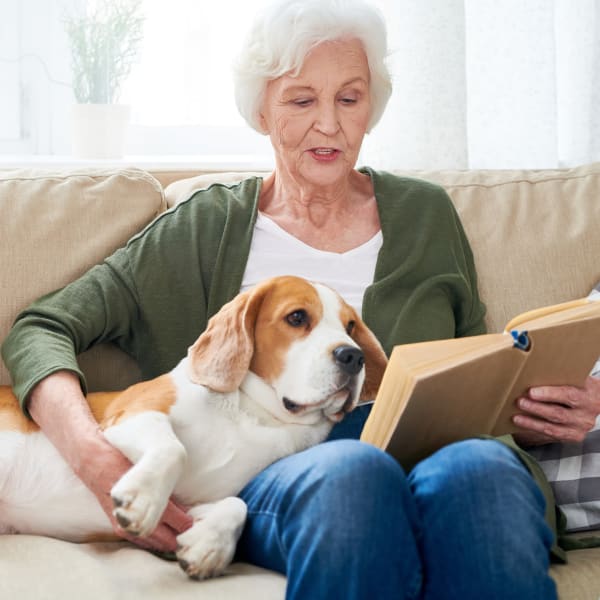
x,y
297,318
350,327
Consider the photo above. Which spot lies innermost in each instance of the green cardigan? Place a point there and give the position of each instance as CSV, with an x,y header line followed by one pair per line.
x,y
154,296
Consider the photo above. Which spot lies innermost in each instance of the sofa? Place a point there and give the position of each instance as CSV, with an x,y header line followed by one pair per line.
x,y
536,240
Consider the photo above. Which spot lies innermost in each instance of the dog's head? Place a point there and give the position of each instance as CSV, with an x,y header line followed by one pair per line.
x,y
302,339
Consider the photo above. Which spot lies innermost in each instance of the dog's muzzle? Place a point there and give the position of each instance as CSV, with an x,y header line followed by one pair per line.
x,y
332,412
350,360
347,407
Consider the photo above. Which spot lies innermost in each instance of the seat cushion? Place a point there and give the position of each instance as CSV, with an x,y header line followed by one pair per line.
x,y
579,579
35,567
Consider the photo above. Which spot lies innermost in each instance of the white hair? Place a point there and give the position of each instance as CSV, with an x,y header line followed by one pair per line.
x,y
283,34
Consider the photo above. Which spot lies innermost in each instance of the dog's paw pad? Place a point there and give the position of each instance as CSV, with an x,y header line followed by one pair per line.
x,y
118,501
137,514
203,570
192,571
121,499
123,521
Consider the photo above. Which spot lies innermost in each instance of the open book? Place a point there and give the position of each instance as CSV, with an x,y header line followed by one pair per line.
x,y
434,393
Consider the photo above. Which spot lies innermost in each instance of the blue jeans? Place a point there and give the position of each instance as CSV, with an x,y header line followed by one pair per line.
x,y
344,522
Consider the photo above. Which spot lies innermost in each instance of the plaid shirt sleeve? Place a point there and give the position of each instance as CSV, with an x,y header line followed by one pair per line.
x,y
573,470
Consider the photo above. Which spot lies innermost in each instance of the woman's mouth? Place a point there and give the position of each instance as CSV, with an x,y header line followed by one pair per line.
x,y
324,154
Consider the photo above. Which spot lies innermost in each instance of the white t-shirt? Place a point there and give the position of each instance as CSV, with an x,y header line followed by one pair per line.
x,y
276,252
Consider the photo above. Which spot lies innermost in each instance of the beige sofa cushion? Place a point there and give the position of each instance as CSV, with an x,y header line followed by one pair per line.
x,y
38,568
535,234
58,226
119,571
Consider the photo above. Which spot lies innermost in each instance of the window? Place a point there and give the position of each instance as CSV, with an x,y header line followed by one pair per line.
x,y
10,109
34,77
180,88
181,92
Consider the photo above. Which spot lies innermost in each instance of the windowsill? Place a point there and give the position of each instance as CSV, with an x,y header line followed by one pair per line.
x,y
148,163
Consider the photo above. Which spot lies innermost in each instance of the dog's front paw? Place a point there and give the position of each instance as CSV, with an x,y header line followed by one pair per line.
x,y
137,511
206,549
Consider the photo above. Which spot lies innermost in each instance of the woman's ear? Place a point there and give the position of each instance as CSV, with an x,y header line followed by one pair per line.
x,y
220,357
375,359
262,110
264,127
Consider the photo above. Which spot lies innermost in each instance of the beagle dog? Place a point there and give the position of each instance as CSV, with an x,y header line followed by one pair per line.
x,y
274,370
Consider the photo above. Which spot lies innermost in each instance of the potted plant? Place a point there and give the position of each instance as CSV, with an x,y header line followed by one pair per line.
x,y
104,42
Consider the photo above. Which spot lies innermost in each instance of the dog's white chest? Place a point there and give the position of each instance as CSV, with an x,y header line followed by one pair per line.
x,y
226,446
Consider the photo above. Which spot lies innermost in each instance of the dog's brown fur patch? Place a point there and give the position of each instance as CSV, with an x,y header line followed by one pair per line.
x,y
11,415
157,394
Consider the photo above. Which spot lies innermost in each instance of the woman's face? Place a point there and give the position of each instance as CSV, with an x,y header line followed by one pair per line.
x,y
317,120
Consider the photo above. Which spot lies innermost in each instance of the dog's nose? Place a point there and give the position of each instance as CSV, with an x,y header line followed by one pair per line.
x,y
350,359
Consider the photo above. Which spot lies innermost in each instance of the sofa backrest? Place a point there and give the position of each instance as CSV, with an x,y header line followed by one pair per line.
x,y
535,234
55,226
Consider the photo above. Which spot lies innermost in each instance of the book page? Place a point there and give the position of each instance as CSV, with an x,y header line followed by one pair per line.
x,y
558,313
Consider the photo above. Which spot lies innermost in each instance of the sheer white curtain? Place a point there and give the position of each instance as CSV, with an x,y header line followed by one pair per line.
x,y
490,84
477,83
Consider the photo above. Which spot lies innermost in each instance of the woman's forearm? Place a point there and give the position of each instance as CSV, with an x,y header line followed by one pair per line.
x,y
59,407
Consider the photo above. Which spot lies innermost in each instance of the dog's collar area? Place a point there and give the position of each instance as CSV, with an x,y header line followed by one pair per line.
x,y
264,398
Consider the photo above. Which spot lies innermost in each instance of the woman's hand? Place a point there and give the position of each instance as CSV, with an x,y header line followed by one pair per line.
x,y
60,409
100,467
557,413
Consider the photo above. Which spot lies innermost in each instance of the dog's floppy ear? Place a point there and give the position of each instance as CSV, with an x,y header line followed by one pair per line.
x,y
375,359
220,357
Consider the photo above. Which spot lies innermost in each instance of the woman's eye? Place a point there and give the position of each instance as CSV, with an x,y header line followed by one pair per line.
x,y
348,100
297,318
303,102
350,327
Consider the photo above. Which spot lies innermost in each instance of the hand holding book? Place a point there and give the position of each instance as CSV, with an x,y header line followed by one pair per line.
x,y
557,413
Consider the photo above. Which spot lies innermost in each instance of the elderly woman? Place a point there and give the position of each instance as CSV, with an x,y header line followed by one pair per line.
x,y
341,520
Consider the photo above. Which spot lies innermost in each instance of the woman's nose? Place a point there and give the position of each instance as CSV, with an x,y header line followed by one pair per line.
x,y
327,120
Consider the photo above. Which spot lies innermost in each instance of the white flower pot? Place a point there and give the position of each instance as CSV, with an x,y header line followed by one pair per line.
x,y
99,130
